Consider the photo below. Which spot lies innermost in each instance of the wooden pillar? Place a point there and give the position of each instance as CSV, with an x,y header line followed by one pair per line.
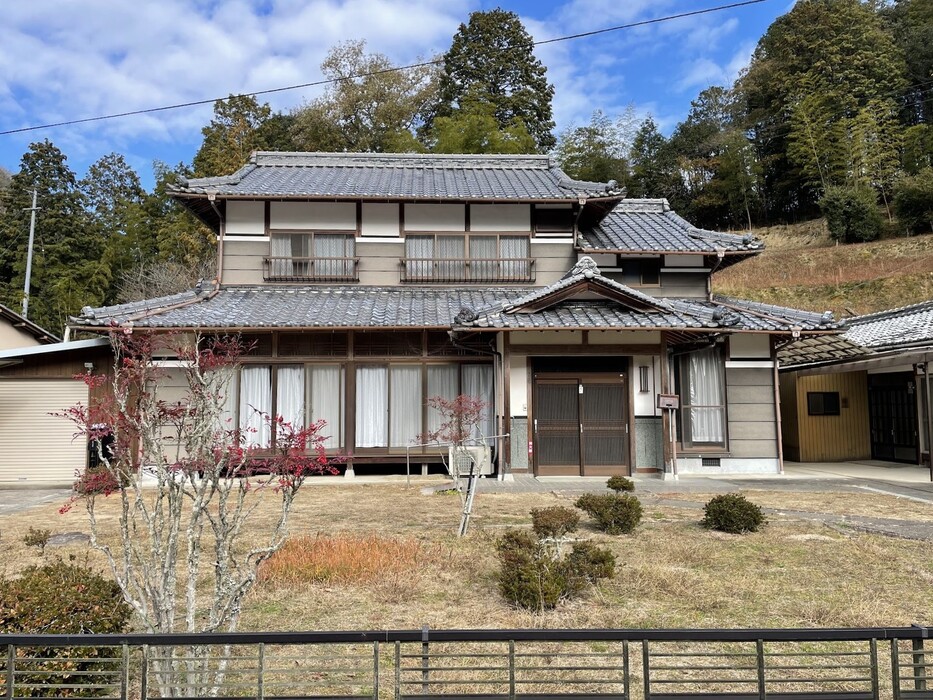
x,y
666,415
349,430
777,407
505,456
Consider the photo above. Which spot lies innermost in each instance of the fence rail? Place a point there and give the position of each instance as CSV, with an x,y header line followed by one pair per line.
x,y
521,664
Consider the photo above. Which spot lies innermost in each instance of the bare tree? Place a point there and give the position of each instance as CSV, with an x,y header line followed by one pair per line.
x,y
161,278
189,489
460,428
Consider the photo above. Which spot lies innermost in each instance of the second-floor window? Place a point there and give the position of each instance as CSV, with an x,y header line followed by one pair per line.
x,y
467,258
302,257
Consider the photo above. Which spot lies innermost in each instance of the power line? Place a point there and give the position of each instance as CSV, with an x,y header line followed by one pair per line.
x,y
316,83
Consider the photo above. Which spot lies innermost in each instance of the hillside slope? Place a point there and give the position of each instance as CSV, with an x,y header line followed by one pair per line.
x,y
803,268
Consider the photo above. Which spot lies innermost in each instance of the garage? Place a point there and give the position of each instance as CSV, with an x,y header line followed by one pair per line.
x,y
36,447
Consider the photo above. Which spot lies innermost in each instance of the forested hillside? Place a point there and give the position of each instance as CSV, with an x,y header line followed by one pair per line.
x,y
833,117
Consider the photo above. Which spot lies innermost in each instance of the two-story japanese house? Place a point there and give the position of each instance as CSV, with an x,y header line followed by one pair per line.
x,y
372,282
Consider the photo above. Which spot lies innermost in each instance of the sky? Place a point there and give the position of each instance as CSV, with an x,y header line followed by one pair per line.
x,y
72,59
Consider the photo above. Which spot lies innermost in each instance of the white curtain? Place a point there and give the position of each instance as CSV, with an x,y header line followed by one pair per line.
x,y
405,405
327,402
281,249
226,419
332,246
290,395
256,405
515,248
420,253
478,382
372,406
483,259
451,248
705,392
443,382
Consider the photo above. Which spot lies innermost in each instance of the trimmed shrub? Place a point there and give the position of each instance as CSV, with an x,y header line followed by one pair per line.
x,y
613,513
62,598
619,484
732,512
851,214
913,201
591,562
531,578
556,521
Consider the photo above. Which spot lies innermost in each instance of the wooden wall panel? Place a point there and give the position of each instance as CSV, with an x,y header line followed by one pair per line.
x,y
750,411
835,438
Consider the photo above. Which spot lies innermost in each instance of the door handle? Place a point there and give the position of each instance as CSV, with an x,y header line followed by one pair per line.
x,y
536,425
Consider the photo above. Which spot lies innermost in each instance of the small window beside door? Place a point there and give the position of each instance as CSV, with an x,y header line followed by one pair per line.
x,y
823,403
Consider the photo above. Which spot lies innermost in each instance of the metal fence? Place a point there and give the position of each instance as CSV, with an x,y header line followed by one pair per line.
x,y
525,664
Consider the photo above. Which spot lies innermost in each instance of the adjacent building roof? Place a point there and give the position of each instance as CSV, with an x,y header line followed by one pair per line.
x,y
399,176
582,299
904,326
649,226
24,324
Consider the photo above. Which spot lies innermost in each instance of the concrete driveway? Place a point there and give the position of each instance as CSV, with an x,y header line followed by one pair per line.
x,y
20,499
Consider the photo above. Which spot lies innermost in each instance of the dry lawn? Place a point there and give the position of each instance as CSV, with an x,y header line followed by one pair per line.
x,y
671,573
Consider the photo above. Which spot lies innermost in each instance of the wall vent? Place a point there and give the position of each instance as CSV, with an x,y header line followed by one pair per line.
x,y
710,462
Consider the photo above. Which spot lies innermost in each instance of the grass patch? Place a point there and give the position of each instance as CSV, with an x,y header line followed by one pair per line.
x,y
344,559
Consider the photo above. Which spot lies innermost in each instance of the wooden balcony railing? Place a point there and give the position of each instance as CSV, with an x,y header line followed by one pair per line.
x,y
288,269
482,271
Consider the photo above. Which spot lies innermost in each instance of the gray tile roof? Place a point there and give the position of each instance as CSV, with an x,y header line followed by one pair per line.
x,y
907,325
881,332
245,307
721,313
649,225
401,176
301,307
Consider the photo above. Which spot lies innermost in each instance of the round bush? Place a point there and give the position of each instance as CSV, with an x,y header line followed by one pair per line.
x,y
591,562
619,484
556,521
613,513
732,512
62,598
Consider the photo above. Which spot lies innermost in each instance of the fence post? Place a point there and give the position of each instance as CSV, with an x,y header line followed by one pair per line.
x,y
125,673
919,662
376,670
261,670
144,675
425,661
625,670
875,684
10,675
398,670
895,670
511,669
760,660
644,668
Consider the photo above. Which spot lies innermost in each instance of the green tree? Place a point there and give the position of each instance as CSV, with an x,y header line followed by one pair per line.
x,y
811,74
491,59
911,24
595,152
913,201
654,168
68,269
474,129
369,106
240,126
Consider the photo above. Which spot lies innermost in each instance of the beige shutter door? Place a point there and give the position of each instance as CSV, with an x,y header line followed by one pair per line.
x,y
35,447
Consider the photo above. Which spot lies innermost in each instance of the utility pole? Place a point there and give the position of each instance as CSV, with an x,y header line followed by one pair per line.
x,y
32,233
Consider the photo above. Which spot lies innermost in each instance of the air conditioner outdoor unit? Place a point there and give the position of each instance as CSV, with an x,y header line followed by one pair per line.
x,y
460,459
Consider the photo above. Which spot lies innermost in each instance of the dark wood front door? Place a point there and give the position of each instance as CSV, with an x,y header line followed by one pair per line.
x,y
892,408
581,425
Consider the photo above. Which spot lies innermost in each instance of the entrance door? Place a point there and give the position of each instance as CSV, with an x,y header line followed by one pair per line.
x,y
892,407
581,425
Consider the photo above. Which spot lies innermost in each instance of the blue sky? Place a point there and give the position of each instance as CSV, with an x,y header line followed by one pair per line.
x,y
81,58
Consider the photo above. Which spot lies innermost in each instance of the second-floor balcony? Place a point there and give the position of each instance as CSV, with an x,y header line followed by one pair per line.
x,y
307,269
467,270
